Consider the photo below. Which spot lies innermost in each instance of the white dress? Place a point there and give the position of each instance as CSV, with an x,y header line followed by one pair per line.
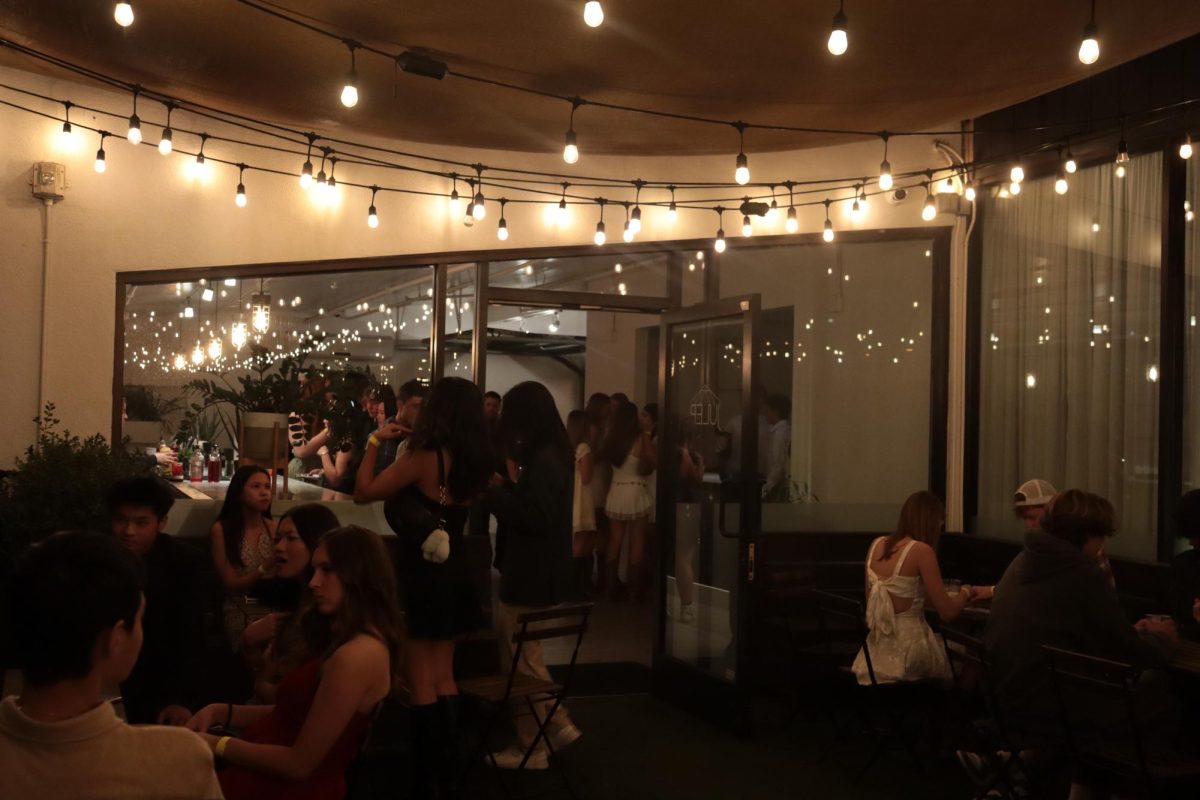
x,y
629,495
583,510
903,647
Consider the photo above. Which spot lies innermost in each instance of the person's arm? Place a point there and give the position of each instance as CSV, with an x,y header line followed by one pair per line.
x,y
311,447
231,579
227,715
947,607
404,471
336,465
345,680
1114,637
529,505
586,466
647,455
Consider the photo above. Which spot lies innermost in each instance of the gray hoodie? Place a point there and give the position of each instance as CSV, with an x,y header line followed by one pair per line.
x,y
1054,594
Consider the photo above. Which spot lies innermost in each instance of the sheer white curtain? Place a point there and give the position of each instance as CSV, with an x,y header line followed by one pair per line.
x,y
1069,368
1191,402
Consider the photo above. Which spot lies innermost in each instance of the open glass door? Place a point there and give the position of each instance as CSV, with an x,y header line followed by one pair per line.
x,y
709,496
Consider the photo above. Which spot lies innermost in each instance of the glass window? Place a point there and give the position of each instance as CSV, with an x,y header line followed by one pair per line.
x,y
846,343
1069,363
1191,403
627,274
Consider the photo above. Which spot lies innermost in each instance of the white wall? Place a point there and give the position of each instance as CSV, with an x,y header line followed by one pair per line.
x,y
143,213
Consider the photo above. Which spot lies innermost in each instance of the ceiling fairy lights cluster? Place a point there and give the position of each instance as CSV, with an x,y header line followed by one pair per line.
x,y
322,154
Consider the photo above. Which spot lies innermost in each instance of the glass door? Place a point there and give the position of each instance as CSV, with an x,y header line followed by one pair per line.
x,y
709,495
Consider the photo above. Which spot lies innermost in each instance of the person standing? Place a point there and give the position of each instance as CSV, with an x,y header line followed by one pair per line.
x,y
534,502
583,513
778,486
633,456
599,412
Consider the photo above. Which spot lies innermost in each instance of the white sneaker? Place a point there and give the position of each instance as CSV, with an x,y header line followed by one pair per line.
x,y
565,736
511,758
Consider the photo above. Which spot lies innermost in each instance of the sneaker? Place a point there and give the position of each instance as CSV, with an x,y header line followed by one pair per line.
x,y
511,758
687,612
565,736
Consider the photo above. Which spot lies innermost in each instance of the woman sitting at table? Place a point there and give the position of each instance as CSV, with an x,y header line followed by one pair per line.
x,y
902,571
299,748
243,544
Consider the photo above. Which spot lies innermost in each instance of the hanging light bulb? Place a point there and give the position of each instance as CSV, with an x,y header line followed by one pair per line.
x,y
1017,173
478,209
199,167
1185,149
237,334
135,123
635,220
350,88
240,197
593,14
372,214
1122,157
600,237
1188,213
214,348
306,172
502,229
1069,165
101,165
838,41
180,361
719,244
456,203
741,173
747,228
855,208
260,310
929,211
554,324
1014,189
188,311
123,14
627,233
197,355
885,168
827,233
792,224
64,137
1060,184
1089,46
969,191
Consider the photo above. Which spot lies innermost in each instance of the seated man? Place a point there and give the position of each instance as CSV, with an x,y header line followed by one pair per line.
x,y
1185,566
1054,593
162,687
75,610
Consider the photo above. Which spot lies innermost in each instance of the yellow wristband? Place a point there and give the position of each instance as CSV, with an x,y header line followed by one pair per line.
x,y
373,440
221,745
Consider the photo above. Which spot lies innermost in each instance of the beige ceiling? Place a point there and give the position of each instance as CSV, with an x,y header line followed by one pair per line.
x,y
911,63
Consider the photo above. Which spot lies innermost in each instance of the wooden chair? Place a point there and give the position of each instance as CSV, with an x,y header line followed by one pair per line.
x,y
1123,753
515,689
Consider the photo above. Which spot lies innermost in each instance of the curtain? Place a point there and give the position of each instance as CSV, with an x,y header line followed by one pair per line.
x,y
1069,368
1191,403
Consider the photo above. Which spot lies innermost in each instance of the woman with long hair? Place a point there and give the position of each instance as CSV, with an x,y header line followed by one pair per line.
x,y
299,748
275,644
442,468
583,513
902,573
632,455
534,501
242,543
599,412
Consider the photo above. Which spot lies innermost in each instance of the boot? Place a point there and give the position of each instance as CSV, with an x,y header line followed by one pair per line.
x,y
448,763
426,745
583,578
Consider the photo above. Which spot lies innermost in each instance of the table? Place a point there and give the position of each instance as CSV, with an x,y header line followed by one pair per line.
x,y
1186,657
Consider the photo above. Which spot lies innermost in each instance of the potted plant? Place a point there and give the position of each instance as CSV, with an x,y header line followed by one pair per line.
x,y
146,413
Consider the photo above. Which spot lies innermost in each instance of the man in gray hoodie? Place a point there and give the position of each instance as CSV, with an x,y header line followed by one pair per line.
x,y
1054,593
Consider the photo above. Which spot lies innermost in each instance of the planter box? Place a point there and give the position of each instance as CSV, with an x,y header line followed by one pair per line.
x,y
258,428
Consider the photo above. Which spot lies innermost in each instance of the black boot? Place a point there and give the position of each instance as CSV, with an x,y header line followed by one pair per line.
x,y
426,747
449,763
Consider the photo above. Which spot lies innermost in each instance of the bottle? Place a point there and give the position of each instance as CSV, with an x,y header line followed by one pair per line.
x,y
196,466
214,467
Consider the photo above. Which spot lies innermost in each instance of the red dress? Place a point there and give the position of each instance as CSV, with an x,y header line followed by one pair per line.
x,y
282,726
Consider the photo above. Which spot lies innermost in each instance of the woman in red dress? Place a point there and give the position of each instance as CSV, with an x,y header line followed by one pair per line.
x,y
299,748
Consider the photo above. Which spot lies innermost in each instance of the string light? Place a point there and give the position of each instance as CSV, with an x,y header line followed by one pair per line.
x,y
372,214
350,89
331,181
101,165
827,234
885,168
855,208
199,168
469,214
123,14
792,224
719,244
571,147
260,309
593,14
1017,173
65,135
180,361
627,232
188,311
1122,158
929,211
1188,215
1089,46
635,219
838,42
747,228
306,172
600,237
456,203
1069,165
1060,185
502,230
773,211
237,334
135,124
1185,149
197,355
240,197
1014,189
741,173
478,209
672,210
165,143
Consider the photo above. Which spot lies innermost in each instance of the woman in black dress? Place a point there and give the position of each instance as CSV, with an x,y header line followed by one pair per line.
x,y
442,468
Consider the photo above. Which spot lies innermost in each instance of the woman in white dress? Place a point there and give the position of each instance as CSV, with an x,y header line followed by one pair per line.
x,y
633,457
902,573
583,510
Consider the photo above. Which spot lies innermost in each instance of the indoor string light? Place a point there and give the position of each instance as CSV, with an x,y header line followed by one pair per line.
x,y
792,224
240,197
478,205
672,209
1122,153
885,167
101,164
1185,149
719,243
1089,46
372,214
502,228
627,231
747,228
469,215
1060,183
306,171
599,238
827,232
455,203
165,141
1070,165
571,147
929,210
838,42
741,172
635,219
135,124
199,167
66,126
593,14
123,14
349,96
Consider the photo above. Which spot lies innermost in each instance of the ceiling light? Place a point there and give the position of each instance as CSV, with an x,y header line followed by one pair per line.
x,y
827,234
350,89
101,165
372,215
929,211
123,14
1185,149
135,124
1089,46
838,42
885,169
741,173
593,14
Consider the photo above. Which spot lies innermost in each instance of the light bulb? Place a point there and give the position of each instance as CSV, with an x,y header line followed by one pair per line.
x,y
123,14
306,175
214,348
64,137
742,173
885,176
180,361
554,324
240,197
827,234
164,143
599,238
635,221
837,37
719,244
855,211
502,231
627,233
747,228
1095,226
1185,149
672,213
593,14
238,334
350,90
1089,48
1060,185
571,149
1016,174
1188,215
969,192
1069,165
455,205
1120,169
1014,189
792,225
101,164
188,312
930,209
469,216
261,320
372,217
135,130
197,355
479,210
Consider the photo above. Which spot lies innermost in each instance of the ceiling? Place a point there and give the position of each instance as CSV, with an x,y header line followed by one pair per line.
x,y
909,66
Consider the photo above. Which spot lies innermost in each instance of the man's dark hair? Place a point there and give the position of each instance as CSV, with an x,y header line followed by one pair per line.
x,y
780,404
1077,516
142,491
493,395
64,592
410,389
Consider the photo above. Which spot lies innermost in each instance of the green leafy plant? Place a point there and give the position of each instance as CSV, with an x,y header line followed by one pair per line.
x,y
59,484
143,404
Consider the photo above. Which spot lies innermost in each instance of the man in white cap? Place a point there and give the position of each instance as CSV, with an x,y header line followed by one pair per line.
x,y
1030,502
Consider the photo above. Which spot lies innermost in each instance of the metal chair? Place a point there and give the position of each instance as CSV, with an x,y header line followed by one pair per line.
x,y
1121,752
515,688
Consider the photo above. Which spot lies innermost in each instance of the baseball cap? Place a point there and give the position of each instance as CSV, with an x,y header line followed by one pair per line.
x,y
1036,492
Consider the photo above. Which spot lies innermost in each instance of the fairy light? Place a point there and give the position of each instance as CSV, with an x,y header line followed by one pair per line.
x,y
599,238
240,197
571,146
827,233
349,95
372,214
101,164
741,173
885,168
135,123
502,229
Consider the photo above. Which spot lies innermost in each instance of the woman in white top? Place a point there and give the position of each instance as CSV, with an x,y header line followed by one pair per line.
x,y
902,572
633,457
583,509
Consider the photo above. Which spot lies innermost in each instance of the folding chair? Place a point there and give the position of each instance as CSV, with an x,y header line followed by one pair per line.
x,y
1123,754
514,688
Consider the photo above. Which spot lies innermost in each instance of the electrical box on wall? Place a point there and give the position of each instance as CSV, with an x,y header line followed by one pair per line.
x,y
49,180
